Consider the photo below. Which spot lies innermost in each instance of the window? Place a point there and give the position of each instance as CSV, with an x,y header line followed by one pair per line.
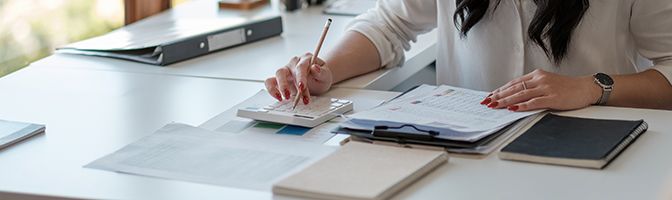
x,y
31,29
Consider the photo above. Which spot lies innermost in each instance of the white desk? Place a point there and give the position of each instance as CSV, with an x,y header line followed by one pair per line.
x,y
93,106
259,60
91,113
642,171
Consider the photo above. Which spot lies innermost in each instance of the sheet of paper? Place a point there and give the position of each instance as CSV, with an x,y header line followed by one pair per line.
x,y
316,135
445,107
418,91
187,153
261,98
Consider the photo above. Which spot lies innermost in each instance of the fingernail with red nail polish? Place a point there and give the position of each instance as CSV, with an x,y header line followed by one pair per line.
x,y
305,100
278,97
493,104
287,94
301,86
486,101
513,108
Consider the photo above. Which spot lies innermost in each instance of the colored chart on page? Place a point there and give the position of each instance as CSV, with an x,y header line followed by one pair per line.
x,y
293,130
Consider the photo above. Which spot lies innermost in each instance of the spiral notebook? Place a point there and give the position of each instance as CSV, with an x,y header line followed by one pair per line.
x,y
573,141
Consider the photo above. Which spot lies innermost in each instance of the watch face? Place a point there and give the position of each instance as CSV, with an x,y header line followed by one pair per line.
x,y
604,79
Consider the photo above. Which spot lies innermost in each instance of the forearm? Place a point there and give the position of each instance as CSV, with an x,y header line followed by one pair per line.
x,y
354,55
648,89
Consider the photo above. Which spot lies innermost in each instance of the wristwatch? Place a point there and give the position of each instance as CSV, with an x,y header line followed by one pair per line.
x,y
607,84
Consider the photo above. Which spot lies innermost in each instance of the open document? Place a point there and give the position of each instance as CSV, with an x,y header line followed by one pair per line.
x,y
453,112
183,152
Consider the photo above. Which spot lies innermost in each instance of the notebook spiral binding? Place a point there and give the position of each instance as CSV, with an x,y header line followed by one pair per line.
x,y
627,141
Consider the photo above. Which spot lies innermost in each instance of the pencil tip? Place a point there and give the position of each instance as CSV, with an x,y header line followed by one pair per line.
x,y
329,19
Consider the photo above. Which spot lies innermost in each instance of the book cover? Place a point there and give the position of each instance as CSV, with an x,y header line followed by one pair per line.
x,y
573,141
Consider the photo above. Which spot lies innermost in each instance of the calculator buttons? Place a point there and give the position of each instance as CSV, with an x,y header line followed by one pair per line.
x,y
318,111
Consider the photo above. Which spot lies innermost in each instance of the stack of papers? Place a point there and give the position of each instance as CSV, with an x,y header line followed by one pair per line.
x,y
455,113
183,152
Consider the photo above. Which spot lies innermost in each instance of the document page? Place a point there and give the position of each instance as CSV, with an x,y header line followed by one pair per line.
x,y
443,107
183,152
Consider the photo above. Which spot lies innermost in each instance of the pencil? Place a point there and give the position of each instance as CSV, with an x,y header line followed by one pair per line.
x,y
299,92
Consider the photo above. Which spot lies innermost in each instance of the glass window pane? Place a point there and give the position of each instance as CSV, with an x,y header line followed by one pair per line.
x,y
31,29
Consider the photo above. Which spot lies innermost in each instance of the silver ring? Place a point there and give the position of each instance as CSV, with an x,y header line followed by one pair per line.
x,y
524,86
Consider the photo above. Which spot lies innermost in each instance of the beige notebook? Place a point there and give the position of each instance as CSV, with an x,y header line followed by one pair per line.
x,y
361,171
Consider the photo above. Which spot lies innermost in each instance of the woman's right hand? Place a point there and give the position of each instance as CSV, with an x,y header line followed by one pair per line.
x,y
299,74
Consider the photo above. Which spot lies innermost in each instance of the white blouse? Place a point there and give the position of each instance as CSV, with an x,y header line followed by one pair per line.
x,y
614,37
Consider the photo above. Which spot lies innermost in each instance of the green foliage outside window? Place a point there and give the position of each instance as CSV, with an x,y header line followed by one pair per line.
x,y
31,29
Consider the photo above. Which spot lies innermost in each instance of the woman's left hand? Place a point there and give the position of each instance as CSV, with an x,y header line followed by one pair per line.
x,y
545,90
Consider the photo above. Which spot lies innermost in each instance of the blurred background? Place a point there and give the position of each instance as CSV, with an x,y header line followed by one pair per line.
x,y
31,29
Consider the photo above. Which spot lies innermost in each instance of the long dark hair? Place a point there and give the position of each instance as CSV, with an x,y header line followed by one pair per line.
x,y
554,20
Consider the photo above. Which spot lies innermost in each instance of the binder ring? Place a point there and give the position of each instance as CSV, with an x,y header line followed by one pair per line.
x,y
431,133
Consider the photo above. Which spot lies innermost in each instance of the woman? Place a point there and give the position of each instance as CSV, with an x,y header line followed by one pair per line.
x,y
532,54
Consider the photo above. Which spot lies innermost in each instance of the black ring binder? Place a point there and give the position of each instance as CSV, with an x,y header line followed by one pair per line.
x,y
384,131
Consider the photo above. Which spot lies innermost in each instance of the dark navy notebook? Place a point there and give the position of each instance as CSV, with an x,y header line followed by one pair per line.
x,y
572,141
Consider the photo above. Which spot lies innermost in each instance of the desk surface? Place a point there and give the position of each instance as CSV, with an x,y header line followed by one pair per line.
x,y
301,33
642,171
91,113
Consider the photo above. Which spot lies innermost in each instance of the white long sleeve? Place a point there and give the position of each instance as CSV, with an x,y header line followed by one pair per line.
x,y
613,36
651,26
393,24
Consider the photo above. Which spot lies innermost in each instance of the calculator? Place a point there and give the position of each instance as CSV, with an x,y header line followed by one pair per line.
x,y
318,111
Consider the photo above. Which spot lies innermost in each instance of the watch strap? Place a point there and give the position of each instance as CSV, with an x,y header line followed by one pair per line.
x,y
606,92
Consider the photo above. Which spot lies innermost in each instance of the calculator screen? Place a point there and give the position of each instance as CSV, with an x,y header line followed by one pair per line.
x,y
8,128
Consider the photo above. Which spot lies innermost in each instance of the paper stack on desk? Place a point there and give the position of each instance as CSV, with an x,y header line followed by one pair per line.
x,y
183,152
442,113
